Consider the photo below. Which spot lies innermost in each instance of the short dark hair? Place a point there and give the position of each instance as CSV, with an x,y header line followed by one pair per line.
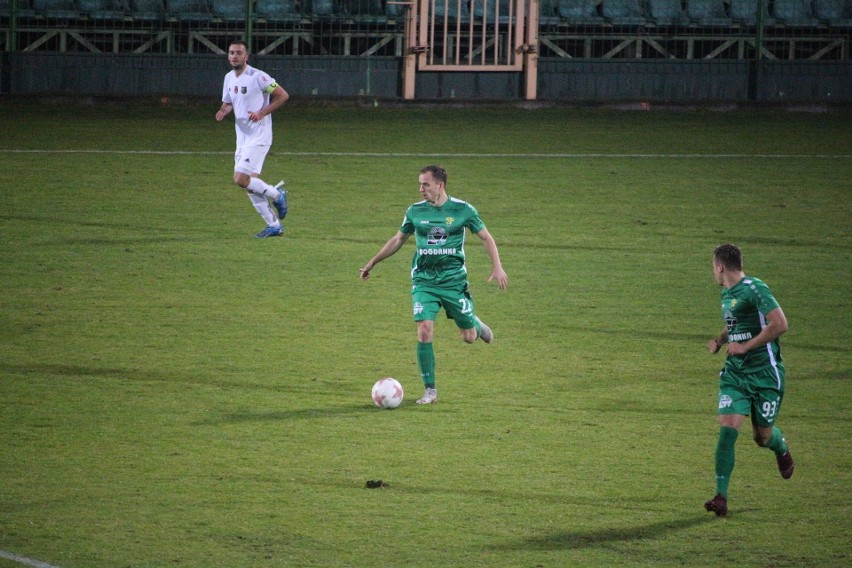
x,y
439,174
729,256
241,42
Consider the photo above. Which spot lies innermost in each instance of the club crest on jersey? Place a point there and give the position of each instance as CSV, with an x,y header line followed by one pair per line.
x,y
730,320
450,221
243,90
437,236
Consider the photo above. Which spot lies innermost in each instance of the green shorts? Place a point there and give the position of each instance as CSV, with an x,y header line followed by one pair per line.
x,y
757,394
456,301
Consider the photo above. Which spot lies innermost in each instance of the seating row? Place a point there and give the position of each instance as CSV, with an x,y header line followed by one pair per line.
x,y
711,13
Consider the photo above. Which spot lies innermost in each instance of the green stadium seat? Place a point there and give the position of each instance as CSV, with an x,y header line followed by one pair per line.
x,y
189,10
710,13
579,12
364,10
623,12
797,13
276,10
667,12
56,9
836,13
744,12
547,12
104,9
24,9
228,10
322,8
148,10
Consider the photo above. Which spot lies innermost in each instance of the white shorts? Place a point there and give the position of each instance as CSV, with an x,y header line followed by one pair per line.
x,y
249,159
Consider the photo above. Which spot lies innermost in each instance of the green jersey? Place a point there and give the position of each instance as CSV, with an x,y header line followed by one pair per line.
x,y
744,309
439,237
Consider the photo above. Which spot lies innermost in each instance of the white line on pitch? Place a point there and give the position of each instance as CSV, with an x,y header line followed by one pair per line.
x,y
443,154
24,560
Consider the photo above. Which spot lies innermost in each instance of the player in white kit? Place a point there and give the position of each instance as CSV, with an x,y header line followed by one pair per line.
x,y
253,96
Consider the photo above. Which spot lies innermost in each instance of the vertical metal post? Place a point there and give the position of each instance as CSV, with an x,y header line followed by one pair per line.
x,y
530,48
409,70
13,28
249,30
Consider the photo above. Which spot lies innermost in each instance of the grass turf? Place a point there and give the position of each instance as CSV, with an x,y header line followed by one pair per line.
x,y
175,392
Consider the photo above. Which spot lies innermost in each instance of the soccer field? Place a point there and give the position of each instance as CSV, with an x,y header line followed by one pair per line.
x,y
175,392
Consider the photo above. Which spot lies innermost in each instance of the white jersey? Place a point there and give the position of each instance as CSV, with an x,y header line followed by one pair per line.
x,y
249,93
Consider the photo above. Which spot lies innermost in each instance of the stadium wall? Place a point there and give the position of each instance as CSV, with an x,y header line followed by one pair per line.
x,y
563,80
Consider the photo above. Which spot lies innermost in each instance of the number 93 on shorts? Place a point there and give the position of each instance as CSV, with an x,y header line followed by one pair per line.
x,y
758,394
456,301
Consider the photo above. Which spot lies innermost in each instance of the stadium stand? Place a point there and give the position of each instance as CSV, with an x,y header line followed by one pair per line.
x,y
189,10
364,10
56,9
710,13
452,10
547,12
744,12
487,10
276,11
623,12
24,9
667,12
579,12
104,9
148,10
794,13
228,10
836,13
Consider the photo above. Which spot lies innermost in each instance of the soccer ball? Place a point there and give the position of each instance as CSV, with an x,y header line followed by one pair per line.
x,y
387,393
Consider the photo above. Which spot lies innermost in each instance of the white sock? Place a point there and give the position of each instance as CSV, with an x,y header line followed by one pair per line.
x,y
262,205
260,187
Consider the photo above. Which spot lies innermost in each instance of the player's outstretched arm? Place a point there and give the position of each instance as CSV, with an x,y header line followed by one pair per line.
x,y
497,272
389,249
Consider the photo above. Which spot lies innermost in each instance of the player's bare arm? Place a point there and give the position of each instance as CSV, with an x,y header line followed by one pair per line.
x,y
497,272
774,329
389,249
717,342
224,111
277,98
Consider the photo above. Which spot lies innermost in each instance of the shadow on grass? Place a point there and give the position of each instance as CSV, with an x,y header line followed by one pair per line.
x,y
566,540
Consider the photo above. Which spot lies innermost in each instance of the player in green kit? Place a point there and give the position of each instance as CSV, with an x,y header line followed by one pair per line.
x,y
752,380
438,271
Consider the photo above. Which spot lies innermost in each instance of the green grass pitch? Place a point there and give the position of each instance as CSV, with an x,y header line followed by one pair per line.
x,y
174,392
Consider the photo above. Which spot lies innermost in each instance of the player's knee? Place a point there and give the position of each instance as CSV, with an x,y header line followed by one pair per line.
x,y
761,440
241,179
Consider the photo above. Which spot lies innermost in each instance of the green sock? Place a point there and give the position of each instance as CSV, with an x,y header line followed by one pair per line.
x,y
777,443
426,362
725,459
478,327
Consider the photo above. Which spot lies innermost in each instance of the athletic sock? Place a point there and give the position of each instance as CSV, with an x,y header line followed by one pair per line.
x,y
725,459
262,206
426,362
776,442
478,327
260,187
